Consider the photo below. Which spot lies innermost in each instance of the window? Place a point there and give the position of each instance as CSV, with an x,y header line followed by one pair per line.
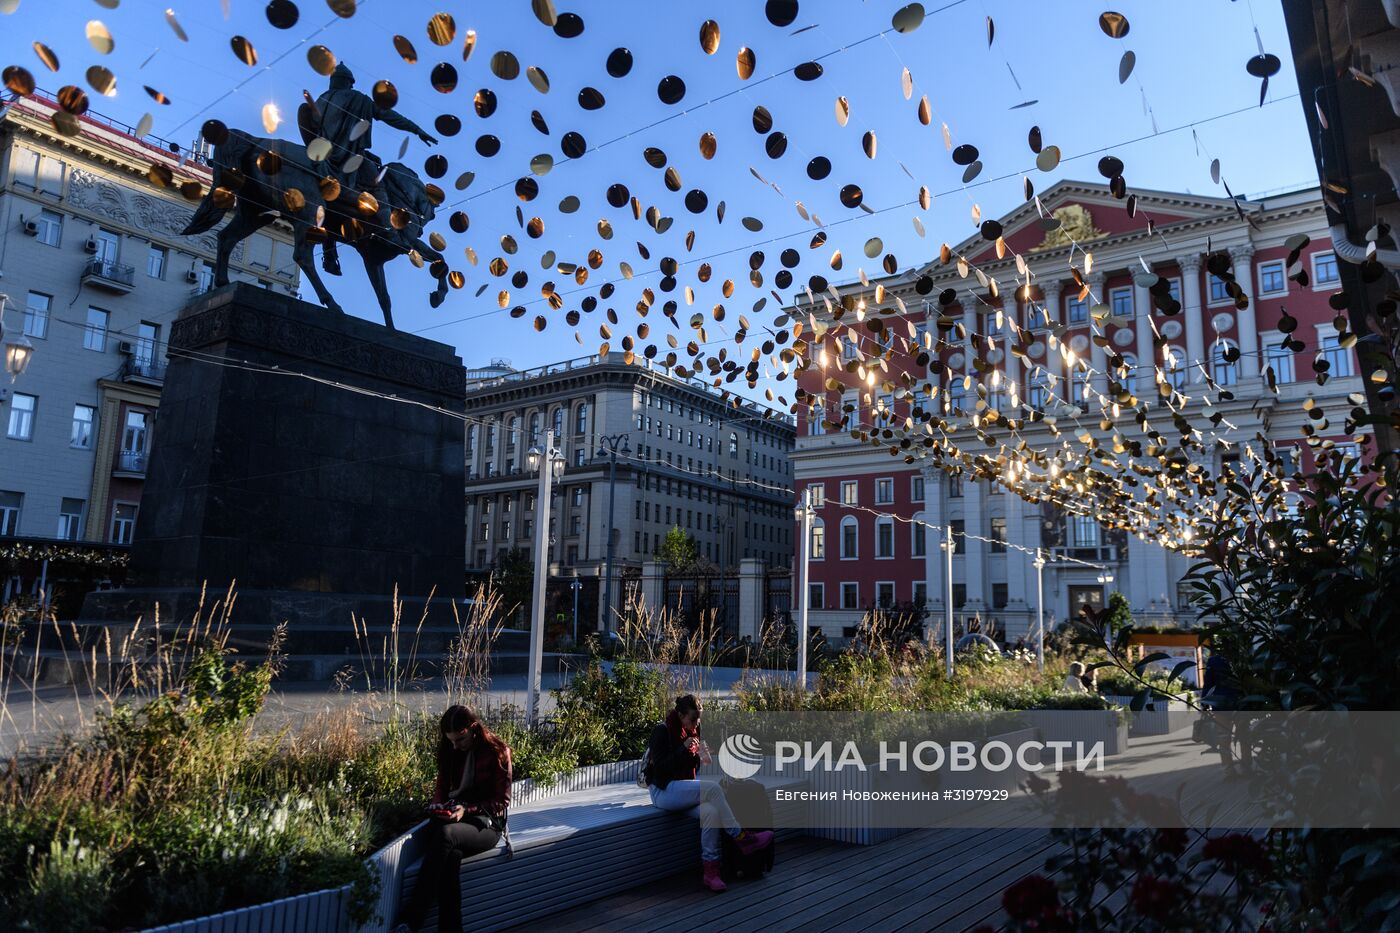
x,y
36,314
1174,370
147,339
155,262
1083,531
50,228
884,594
106,246
22,416
1337,356
84,416
959,535
123,522
919,546
1280,359
954,485
1038,390
998,595
818,493
998,525
818,551
850,596
70,519
884,491
95,333
959,595
10,503
1325,270
1078,310
816,595
884,537
558,424
205,271
1222,370
576,495
1121,301
1272,280
1219,293
920,593
849,493
849,350
471,440
916,489
581,418
535,429
134,434
734,445
850,541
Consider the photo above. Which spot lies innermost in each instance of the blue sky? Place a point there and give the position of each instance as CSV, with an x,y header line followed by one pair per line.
x,y
1191,57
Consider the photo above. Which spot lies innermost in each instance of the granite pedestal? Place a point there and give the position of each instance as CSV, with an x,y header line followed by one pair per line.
x,y
315,499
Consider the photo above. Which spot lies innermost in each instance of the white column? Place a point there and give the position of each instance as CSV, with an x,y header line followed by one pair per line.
x,y
1138,573
751,593
1051,361
974,550
1243,257
1017,564
933,557
1142,320
1098,358
1191,313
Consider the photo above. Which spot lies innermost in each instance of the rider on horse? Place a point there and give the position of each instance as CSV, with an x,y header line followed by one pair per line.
x,y
347,121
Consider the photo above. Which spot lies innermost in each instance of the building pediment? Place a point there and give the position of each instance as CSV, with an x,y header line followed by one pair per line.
x,y
1090,214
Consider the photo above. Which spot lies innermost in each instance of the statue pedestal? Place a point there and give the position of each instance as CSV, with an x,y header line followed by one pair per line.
x,y
312,498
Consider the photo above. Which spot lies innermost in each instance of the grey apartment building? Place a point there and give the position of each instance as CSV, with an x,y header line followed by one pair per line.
x,y
95,271
694,461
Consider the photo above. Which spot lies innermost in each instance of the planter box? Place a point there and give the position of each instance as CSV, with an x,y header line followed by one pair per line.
x,y
1086,726
1157,717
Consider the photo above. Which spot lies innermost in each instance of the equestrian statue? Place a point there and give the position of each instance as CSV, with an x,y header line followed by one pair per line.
x,y
331,188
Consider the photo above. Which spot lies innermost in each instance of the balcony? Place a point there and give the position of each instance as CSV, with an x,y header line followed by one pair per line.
x,y
1094,554
131,463
143,370
109,276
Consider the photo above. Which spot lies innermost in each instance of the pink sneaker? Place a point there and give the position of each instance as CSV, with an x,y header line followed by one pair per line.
x,y
711,879
749,843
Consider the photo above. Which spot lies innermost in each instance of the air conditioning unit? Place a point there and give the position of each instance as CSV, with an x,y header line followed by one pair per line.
x,y
125,348
192,277
91,245
31,227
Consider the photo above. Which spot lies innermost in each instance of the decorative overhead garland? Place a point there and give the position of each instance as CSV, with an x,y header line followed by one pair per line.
x,y
98,556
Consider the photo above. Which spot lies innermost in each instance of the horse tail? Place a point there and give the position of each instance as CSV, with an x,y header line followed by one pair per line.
x,y
227,154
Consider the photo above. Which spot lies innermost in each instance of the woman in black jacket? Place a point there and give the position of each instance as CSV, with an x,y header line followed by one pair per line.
x,y
673,756
468,815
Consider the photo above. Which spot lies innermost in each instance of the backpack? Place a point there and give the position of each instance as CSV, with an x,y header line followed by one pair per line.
x,y
748,801
645,763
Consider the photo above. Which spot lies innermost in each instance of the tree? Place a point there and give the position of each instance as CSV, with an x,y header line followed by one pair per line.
x,y
679,550
514,576
1120,616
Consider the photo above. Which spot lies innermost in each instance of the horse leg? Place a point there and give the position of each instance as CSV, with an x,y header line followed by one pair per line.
x,y
305,258
374,268
436,297
238,229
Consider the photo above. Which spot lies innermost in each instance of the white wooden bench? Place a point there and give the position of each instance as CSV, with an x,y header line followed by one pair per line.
x,y
579,847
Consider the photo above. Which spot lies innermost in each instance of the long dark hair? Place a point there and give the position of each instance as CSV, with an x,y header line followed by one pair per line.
x,y
457,718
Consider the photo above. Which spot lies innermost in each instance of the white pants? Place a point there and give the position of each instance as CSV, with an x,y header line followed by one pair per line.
x,y
714,810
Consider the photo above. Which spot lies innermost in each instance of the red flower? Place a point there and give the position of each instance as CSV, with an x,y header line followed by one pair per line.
x,y
1170,841
1155,898
1236,853
1034,897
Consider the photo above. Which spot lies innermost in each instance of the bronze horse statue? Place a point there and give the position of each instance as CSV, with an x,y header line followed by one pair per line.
x,y
264,179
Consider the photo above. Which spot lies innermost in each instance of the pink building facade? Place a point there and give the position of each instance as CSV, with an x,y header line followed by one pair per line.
x,y
868,546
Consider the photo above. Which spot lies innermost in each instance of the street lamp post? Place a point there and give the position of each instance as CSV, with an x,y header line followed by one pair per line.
x,y
947,546
610,446
18,350
1039,565
805,514
550,465
576,586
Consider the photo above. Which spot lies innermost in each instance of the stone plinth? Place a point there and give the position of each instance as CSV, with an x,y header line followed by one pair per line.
x,y
289,484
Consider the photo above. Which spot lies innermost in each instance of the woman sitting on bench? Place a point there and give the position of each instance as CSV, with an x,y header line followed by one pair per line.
x,y
673,756
468,813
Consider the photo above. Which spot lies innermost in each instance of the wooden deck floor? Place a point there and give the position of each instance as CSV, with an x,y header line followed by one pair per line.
x,y
929,879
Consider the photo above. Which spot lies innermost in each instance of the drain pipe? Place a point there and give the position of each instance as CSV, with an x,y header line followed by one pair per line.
x,y
1356,255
